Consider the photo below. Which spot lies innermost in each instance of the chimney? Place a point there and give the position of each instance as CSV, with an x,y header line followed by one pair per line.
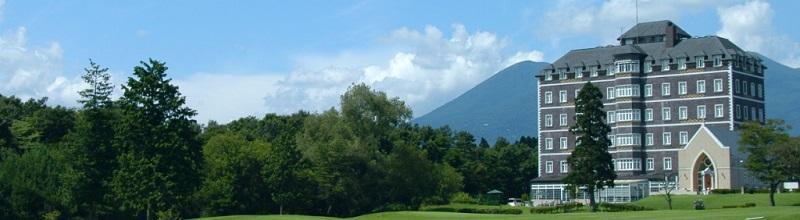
x,y
669,38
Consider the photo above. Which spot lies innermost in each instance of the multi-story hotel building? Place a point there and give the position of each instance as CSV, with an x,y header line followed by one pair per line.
x,y
673,102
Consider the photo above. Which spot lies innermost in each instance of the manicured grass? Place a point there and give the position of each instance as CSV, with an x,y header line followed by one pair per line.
x,y
781,212
717,201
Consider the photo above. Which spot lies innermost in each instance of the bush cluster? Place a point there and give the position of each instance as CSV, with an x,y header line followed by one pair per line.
x,y
746,205
562,208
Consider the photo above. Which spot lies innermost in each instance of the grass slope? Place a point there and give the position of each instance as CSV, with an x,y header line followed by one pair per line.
x,y
717,201
781,212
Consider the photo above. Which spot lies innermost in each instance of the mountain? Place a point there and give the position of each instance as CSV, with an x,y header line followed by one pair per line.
x,y
782,90
502,106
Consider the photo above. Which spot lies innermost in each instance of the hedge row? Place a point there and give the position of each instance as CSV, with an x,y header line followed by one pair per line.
x,y
473,210
746,205
563,208
612,207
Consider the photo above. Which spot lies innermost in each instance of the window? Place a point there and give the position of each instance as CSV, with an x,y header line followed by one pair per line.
x,y
578,73
736,86
648,90
717,60
683,113
648,139
648,67
562,143
681,63
701,61
682,88
548,143
761,114
548,76
611,117
760,91
717,85
648,114
627,164
650,164
610,70
548,97
744,87
562,120
665,114
562,96
548,120
683,137
562,73
664,89
701,86
610,92
564,167
594,71
628,139
753,113
752,89
627,91
666,138
628,115
549,167
665,65
626,66
701,112
577,91
745,111
718,111
738,112
667,163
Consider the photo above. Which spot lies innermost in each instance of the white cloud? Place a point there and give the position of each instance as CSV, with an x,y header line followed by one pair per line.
x,y
225,97
33,72
749,25
424,68
571,18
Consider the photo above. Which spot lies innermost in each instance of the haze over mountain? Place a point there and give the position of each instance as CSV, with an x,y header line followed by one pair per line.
x,y
505,104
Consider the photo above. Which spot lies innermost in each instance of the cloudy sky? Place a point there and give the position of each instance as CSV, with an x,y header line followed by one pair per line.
x,y
233,59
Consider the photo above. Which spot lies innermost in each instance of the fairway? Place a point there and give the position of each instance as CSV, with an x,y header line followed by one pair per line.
x,y
784,212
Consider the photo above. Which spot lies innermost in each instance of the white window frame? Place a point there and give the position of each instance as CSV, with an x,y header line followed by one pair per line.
x,y
649,140
630,139
610,92
719,111
683,137
562,73
666,138
548,166
594,71
563,143
648,90
548,97
578,72
665,89
738,111
613,140
683,113
701,111
717,60
629,90
577,92
760,91
648,114
718,85
666,115
611,117
562,120
650,164
736,87
681,63
682,90
752,89
628,115
548,143
701,86
548,120
562,96
664,65
627,164
564,167
700,61
667,163
648,66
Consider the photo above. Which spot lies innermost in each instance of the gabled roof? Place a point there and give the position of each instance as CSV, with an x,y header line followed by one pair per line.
x,y
651,28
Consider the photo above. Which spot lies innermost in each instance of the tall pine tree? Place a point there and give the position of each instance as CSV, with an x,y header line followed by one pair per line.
x,y
160,150
590,163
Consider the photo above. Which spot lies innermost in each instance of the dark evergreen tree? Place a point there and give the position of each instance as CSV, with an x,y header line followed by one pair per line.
x,y
160,153
590,163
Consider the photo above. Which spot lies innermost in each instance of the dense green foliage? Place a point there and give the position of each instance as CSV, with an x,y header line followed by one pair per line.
x,y
771,153
143,156
590,163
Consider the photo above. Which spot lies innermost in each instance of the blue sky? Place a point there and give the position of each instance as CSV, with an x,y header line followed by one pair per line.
x,y
238,58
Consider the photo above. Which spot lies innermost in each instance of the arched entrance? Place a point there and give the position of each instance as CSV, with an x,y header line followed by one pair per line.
x,y
705,175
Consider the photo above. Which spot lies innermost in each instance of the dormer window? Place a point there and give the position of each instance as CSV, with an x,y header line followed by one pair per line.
x,y
578,73
681,63
648,66
701,61
717,60
548,76
562,73
594,71
623,66
665,65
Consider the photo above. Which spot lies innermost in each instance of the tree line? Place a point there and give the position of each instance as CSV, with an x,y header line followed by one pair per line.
x,y
143,156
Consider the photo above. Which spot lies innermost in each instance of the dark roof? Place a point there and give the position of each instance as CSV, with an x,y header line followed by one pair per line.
x,y
702,46
650,29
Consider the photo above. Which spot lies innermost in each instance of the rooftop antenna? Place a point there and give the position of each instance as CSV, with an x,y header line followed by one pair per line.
x,y
637,11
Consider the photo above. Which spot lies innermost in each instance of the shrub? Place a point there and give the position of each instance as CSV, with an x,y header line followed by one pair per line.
x,y
611,207
393,207
463,198
724,191
562,208
730,206
472,210
699,205
749,204
438,209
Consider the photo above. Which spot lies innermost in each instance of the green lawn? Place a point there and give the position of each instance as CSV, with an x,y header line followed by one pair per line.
x,y
682,205
717,201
